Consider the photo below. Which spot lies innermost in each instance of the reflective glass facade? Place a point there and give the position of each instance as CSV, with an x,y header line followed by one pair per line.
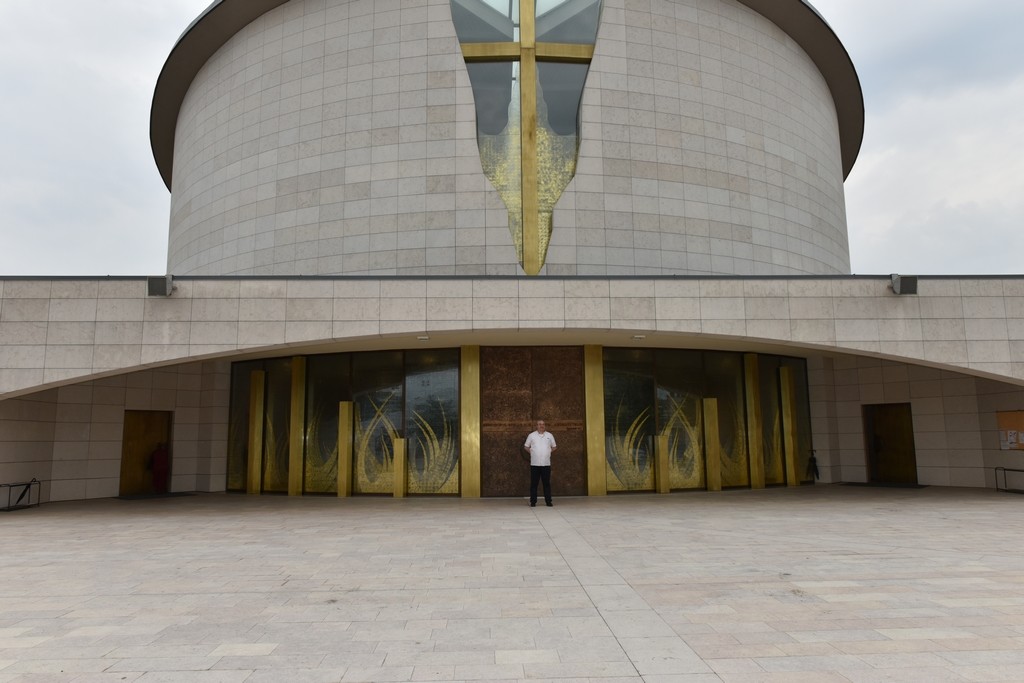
x,y
656,405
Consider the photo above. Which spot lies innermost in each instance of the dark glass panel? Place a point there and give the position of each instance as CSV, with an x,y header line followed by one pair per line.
x,y
568,21
328,383
485,21
629,419
680,379
492,95
238,426
723,374
432,420
804,445
377,407
560,91
771,421
276,424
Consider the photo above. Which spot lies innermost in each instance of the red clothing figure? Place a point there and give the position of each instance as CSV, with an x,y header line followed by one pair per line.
x,y
159,466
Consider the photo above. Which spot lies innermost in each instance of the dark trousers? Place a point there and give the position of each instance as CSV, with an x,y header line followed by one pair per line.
x,y
541,473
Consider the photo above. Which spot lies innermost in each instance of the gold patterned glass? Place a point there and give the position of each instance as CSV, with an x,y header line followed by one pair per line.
x,y
804,444
679,375
432,421
723,376
629,419
377,383
328,383
277,425
771,421
238,425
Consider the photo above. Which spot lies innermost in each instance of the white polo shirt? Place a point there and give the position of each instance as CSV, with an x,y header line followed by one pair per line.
x,y
540,447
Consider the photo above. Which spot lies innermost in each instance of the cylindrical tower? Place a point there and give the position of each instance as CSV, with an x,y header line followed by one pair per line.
x,y
339,137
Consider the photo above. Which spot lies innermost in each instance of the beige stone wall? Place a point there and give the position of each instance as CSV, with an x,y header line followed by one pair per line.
x,y
75,353
338,137
710,146
27,429
947,419
54,332
334,137
70,438
954,418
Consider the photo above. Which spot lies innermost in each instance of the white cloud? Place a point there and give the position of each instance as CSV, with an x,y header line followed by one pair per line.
x,y
939,185
79,192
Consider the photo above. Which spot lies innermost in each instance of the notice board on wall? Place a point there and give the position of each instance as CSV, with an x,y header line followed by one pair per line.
x,y
1011,430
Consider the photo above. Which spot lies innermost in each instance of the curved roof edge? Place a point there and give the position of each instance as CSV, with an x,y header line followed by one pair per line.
x,y
224,18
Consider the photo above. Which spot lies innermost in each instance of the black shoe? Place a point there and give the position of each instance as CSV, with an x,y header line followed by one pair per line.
x,y
533,503
549,504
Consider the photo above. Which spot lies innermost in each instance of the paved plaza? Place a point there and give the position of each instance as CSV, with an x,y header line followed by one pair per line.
x,y
816,584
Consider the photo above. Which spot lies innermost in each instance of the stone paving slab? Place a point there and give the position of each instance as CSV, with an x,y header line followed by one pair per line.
x,y
817,584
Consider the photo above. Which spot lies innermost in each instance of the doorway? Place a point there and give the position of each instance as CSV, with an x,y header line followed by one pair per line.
x,y
889,442
146,452
519,385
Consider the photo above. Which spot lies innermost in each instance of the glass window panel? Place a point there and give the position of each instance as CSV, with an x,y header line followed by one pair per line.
x,y
377,407
629,419
723,374
771,421
486,21
680,377
432,420
328,383
276,426
804,444
568,21
492,94
238,427
558,104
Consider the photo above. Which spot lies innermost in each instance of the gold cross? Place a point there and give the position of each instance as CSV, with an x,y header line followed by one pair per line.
x,y
528,52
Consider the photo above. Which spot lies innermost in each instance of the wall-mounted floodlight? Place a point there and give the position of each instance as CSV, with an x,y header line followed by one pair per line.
x,y
159,285
903,284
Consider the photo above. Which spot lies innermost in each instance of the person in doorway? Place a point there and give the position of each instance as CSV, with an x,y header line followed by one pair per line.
x,y
812,468
540,444
159,467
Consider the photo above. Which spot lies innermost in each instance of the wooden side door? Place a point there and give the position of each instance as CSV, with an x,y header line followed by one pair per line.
x,y
889,442
144,432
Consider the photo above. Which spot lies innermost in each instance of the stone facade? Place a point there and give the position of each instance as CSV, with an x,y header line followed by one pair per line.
x,y
328,196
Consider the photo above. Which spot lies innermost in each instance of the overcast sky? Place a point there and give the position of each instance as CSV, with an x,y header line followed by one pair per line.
x,y
938,187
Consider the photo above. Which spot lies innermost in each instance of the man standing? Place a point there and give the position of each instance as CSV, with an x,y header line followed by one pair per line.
x,y
540,444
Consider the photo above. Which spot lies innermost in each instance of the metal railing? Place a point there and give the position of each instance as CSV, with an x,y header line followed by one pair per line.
x,y
1005,487
24,491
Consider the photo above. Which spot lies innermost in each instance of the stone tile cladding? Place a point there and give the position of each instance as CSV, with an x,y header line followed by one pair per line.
x,y
338,137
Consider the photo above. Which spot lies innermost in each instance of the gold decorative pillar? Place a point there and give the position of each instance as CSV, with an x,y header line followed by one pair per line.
x,y
398,446
344,449
789,437
469,420
593,389
257,384
661,471
755,420
297,426
712,444
532,261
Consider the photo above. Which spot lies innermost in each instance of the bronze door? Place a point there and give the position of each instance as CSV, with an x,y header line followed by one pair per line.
x,y
519,385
